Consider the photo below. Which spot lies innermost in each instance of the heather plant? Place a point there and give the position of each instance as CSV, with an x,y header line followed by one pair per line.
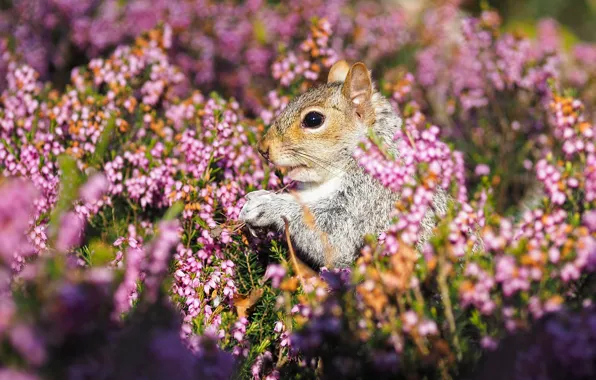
x,y
121,255
227,46
118,124
480,278
488,88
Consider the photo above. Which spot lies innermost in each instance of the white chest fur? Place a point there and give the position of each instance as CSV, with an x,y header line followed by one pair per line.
x,y
314,192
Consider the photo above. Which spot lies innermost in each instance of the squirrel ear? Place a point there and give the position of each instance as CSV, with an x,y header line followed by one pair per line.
x,y
358,86
338,72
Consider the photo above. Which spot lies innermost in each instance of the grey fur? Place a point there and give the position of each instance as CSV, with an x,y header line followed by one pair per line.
x,y
359,206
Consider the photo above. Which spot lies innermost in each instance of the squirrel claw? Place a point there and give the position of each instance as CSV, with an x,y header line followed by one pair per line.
x,y
256,212
252,231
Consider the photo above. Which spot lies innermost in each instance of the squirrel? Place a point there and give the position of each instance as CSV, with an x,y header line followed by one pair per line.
x,y
337,203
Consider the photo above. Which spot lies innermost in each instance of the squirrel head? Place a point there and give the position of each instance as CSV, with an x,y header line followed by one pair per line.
x,y
316,134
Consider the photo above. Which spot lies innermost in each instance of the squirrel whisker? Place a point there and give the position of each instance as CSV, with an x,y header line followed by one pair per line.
x,y
323,164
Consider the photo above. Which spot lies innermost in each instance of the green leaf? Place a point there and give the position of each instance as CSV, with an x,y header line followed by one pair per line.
x,y
260,31
70,182
529,28
104,141
174,211
100,253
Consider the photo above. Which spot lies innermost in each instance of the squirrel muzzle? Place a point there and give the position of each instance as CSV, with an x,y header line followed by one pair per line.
x,y
263,149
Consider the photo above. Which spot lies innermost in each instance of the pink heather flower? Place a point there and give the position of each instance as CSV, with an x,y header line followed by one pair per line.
x,y
488,343
551,306
554,254
586,253
119,241
548,35
240,329
7,310
570,272
279,327
535,307
479,296
241,348
276,273
590,177
427,327
71,232
284,339
95,188
159,255
126,293
263,362
511,277
16,212
28,344
550,176
273,375
482,170
410,319
12,374
156,178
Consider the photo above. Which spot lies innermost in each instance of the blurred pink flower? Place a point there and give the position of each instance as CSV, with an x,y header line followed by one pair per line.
x,y
17,208
482,169
71,232
28,344
276,273
13,374
95,188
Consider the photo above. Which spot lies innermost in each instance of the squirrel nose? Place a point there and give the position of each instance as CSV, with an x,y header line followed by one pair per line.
x,y
264,153
264,150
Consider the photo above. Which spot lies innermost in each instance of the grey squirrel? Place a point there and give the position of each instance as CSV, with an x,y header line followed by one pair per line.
x,y
338,203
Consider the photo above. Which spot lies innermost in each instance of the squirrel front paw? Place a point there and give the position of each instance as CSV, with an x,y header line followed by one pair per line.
x,y
260,209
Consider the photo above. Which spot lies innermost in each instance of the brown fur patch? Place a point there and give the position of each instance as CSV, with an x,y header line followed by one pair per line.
x,y
321,149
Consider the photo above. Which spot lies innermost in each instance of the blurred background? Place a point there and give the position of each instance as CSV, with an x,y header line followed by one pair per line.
x,y
55,36
577,16
263,51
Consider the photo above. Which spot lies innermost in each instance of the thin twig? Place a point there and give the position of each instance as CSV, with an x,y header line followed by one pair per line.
x,y
249,271
442,280
293,259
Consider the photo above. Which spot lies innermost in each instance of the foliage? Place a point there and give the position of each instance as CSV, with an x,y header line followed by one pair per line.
x,y
121,187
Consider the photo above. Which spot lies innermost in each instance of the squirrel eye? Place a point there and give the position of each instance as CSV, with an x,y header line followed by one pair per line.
x,y
313,120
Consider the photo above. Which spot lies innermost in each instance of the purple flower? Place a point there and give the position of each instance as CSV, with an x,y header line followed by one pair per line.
x,y
126,293
17,208
26,341
427,327
589,220
262,364
173,357
570,272
511,277
276,273
7,312
482,169
488,343
159,255
71,232
95,188
279,327
11,374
